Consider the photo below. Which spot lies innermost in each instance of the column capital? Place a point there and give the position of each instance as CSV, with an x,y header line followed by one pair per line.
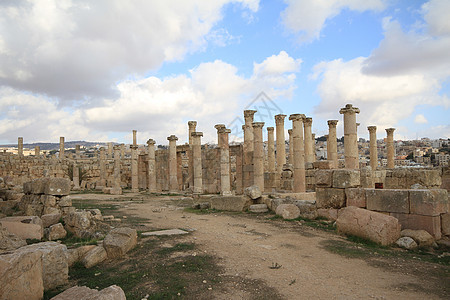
x,y
296,117
279,118
390,131
197,134
307,121
332,123
134,147
349,109
151,142
192,123
372,129
270,129
219,127
134,131
249,113
258,124
172,138
116,147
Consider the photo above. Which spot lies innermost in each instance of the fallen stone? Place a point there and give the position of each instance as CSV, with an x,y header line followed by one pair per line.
x,y
432,224
407,243
80,223
165,232
119,241
25,227
50,219
77,254
258,208
377,227
253,192
96,214
421,237
113,292
230,203
55,232
328,213
9,241
108,218
288,211
57,186
65,201
94,257
308,209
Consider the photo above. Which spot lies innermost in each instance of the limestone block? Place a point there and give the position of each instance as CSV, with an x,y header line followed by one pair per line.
x,y
230,203
113,292
421,237
380,228
308,209
65,201
25,227
445,224
55,270
346,178
55,232
77,254
288,211
80,223
258,208
38,186
119,241
324,178
66,210
21,275
50,219
428,202
94,257
34,209
393,201
407,243
355,197
96,214
9,241
328,213
253,192
432,224
323,164
48,200
57,186
330,198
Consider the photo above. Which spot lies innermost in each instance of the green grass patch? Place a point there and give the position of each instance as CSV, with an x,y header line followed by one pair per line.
x,y
72,240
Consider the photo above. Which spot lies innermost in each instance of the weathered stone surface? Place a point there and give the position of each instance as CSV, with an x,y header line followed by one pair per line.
x,y
94,257
355,197
421,237
55,270
65,201
330,198
308,209
77,254
328,213
96,214
377,227
25,227
38,186
50,219
57,186
324,178
258,208
119,241
9,241
393,201
323,164
445,224
346,178
407,243
288,211
80,223
48,200
428,202
34,209
432,224
113,292
253,192
230,203
55,232
21,275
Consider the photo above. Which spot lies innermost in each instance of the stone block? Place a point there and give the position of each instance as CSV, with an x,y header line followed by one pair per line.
x,y
356,197
48,200
407,243
119,241
38,186
230,203
432,224
346,178
94,257
308,209
421,237
328,213
113,292
77,254
445,224
428,202
25,227
253,192
55,270
323,164
57,186
34,209
380,228
55,232
65,201
9,241
258,208
392,201
21,275
330,198
50,219
324,178
288,211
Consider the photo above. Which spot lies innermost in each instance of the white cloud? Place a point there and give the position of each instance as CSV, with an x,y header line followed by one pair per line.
x,y
420,119
309,17
78,49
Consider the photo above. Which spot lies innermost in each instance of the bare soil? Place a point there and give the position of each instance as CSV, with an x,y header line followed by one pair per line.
x,y
260,257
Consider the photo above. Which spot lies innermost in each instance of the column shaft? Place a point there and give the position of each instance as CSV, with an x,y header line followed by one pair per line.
x,y
299,154
373,147
20,146
271,149
350,136
151,166
134,169
258,155
390,148
173,179
248,148
307,123
281,146
332,143
197,159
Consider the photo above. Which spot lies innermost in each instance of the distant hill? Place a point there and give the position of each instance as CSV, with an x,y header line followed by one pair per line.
x,y
55,146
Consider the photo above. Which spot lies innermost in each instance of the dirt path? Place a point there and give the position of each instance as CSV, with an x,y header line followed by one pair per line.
x,y
247,246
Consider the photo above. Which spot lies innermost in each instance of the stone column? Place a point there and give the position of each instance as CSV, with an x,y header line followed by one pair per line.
x,y
117,189
271,149
390,148
197,160
299,154
307,123
61,147
77,151
134,169
332,143
151,166
192,128
258,155
20,146
291,147
173,179
248,147
122,150
350,136
102,163
281,146
37,151
75,177
110,150
373,147
134,138
224,148
313,147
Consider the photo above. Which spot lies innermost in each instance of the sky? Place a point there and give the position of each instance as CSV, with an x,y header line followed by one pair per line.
x,y
95,70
